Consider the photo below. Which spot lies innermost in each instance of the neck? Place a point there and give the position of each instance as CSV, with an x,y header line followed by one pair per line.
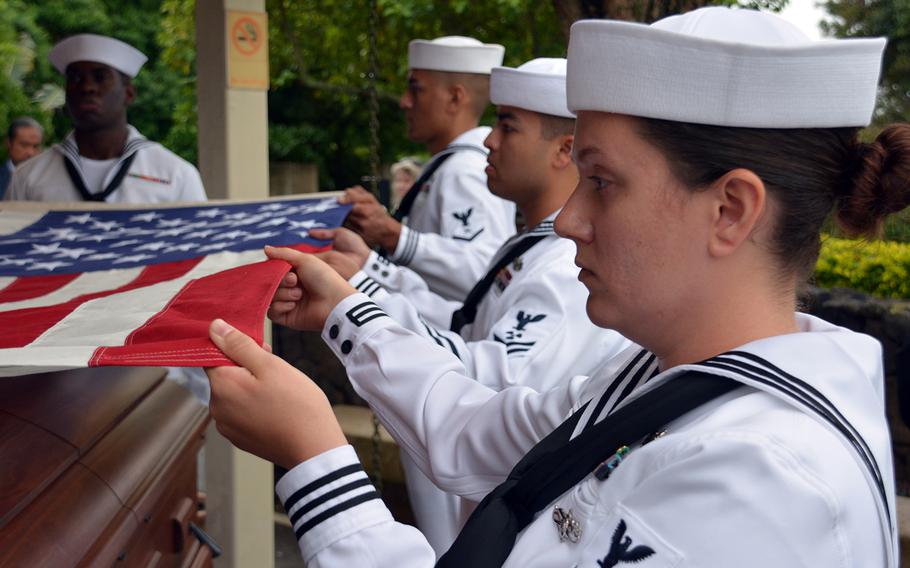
x,y
726,323
544,203
458,126
102,144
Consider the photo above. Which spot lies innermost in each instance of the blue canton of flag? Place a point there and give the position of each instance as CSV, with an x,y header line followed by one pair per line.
x,y
65,242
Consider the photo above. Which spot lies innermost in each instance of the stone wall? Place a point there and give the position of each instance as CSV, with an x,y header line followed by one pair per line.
x,y
889,322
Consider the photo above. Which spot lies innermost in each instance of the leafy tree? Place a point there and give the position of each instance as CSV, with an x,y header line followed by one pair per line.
x,y
646,11
877,18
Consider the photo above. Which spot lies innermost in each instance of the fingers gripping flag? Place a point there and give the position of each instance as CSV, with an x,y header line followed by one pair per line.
x,y
140,286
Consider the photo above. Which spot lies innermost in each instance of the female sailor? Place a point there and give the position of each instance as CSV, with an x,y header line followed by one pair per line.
x,y
711,148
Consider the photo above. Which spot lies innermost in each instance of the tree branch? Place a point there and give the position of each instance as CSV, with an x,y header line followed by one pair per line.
x,y
303,74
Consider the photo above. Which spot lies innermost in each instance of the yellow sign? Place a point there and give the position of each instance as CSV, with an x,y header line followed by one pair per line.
x,y
248,50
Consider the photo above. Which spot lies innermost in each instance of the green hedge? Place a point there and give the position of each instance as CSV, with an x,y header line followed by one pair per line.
x,y
880,268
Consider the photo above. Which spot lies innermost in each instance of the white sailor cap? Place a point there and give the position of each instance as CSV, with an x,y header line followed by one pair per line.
x,y
538,85
725,67
454,54
101,49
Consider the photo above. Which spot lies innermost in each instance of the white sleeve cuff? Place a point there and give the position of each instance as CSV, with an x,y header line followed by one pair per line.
x,y
407,246
329,497
362,282
353,320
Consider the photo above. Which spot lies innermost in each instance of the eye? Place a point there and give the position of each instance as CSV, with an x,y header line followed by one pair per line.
x,y
600,183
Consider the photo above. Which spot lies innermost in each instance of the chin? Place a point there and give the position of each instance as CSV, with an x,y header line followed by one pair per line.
x,y
600,314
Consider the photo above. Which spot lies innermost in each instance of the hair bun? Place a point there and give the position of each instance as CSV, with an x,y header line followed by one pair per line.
x,y
879,184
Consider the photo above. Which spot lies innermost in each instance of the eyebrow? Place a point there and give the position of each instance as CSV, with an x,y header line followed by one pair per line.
x,y
506,116
585,152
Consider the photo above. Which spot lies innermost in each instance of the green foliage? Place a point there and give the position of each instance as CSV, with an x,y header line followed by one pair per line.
x,y
319,65
897,227
889,18
22,44
880,268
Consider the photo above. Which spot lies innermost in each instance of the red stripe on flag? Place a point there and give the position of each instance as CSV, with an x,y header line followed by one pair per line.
x,y
178,335
18,328
34,286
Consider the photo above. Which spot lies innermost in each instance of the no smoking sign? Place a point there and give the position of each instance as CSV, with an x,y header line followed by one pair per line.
x,y
248,50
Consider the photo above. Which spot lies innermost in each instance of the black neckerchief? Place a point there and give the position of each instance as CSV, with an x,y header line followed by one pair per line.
x,y
556,464
79,183
404,208
468,311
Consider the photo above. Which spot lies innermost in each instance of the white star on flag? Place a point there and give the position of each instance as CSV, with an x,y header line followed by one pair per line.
x,y
81,219
134,258
306,224
230,235
210,213
261,236
214,246
125,243
105,225
273,222
147,217
182,247
157,245
102,256
45,249
72,253
51,265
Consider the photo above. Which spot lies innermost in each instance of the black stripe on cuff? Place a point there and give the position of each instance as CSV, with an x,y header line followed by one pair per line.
x,y
324,480
364,312
332,511
368,286
337,492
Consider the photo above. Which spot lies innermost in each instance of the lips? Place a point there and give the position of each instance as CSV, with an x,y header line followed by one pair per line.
x,y
88,105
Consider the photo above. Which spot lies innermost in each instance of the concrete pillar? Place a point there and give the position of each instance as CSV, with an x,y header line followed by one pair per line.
x,y
233,161
233,122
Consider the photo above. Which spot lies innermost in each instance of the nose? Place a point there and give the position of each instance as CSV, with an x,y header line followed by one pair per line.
x,y
405,102
492,140
571,223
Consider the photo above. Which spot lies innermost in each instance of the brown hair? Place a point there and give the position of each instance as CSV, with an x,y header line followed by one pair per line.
x,y
808,171
552,126
477,85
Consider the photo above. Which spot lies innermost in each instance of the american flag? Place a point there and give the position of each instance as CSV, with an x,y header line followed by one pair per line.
x,y
140,286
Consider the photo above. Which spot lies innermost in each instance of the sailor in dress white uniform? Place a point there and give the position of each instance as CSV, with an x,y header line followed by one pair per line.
x,y
448,225
756,436
104,159
524,322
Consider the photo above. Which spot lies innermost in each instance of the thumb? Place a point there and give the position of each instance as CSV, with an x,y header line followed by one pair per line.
x,y
240,348
323,234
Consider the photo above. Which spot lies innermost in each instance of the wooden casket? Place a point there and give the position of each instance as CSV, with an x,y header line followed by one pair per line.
x,y
98,468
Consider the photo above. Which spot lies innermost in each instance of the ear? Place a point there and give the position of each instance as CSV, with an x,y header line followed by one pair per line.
x,y
562,156
130,92
739,200
458,98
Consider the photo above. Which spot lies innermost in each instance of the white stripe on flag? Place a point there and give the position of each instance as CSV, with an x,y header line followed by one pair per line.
x,y
87,283
6,281
108,321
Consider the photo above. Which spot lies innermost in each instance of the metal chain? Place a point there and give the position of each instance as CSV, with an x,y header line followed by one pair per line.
x,y
376,466
377,456
373,100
